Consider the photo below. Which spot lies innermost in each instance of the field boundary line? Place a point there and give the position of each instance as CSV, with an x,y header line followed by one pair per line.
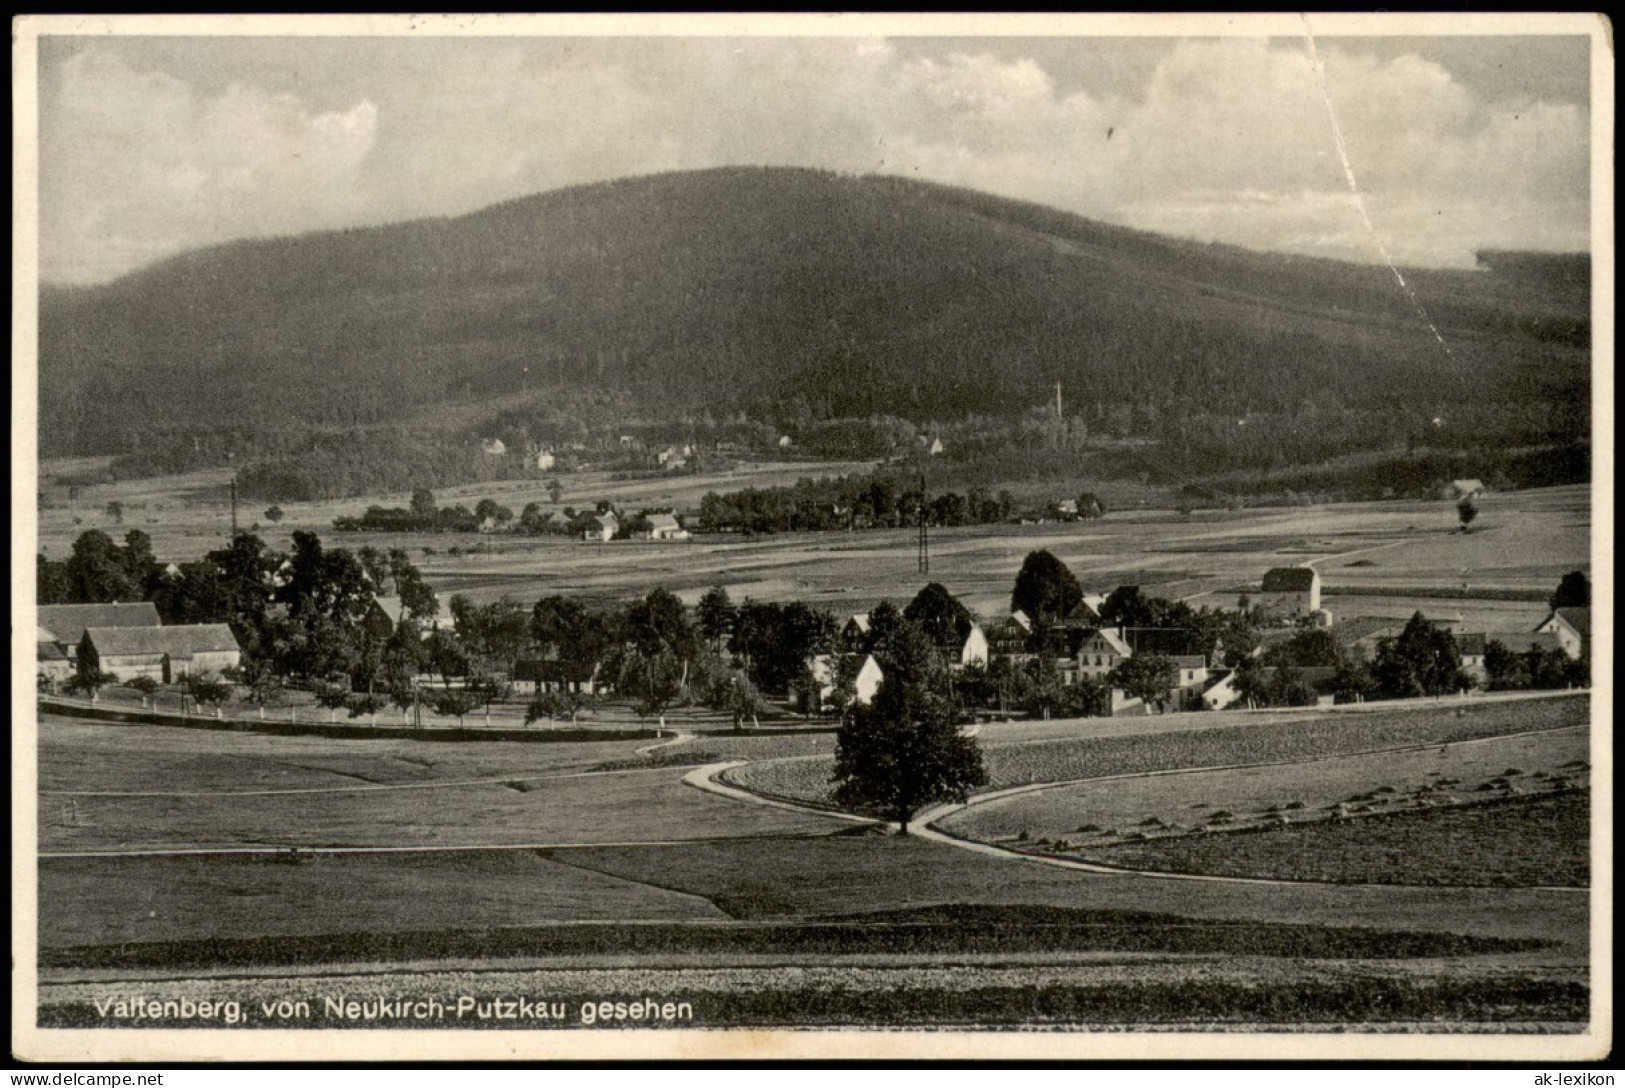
x,y
373,787
928,829
293,853
704,778
1034,787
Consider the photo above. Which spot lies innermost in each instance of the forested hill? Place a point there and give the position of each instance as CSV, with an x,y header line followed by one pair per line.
x,y
749,289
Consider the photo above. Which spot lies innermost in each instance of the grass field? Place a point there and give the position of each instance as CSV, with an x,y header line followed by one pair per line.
x,y
1255,741
853,874
1523,540
767,916
118,901
632,806
1517,842
1171,804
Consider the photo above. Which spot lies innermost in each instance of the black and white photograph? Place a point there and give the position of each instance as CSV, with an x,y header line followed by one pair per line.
x,y
812,536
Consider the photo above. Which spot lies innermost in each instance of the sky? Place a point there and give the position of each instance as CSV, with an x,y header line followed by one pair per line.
x,y
150,146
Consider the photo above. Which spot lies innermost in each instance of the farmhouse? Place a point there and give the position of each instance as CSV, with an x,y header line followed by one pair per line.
x,y
545,459
826,672
51,659
974,651
1464,489
855,632
1008,638
1085,614
65,623
602,528
533,676
1290,593
1572,626
163,653
1101,652
663,527
1192,671
494,446
384,615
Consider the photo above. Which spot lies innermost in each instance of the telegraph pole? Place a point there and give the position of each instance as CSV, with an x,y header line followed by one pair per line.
x,y
925,546
234,505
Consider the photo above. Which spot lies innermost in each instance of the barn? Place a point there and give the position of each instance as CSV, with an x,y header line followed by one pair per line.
x,y
163,653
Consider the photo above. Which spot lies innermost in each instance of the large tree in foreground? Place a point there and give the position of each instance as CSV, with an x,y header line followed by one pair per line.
x,y
904,752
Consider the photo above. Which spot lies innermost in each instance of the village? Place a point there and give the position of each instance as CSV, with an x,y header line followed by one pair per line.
x,y
1068,652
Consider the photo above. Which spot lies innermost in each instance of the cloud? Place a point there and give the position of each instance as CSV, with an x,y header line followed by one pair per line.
x,y
137,165
1223,139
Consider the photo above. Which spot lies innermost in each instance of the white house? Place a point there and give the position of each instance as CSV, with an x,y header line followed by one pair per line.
x,y
1192,671
494,446
51,659
534,676
1465,489
603,528
663,527
825,670
1102,652
1572,626
975,649
1290,593
545,460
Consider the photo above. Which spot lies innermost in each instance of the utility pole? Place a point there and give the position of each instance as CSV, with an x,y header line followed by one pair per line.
x,y
234,505
925,546
1058,413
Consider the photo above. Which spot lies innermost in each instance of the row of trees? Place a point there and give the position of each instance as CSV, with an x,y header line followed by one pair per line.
x,y
877,501
297,615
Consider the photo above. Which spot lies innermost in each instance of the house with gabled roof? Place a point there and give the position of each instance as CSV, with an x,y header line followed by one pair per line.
x,y
974,650
163,653
535,676
383,616
1290,593
601,528
855,631
1008,638
1101,651
662,527
826,671
1572,626
66,623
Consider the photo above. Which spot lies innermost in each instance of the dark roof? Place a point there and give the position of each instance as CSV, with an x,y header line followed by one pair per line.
x,y
1289,580
50,651
1521,642
1577,618
1356,628
1472,643
1168,641
555,672
182,641
390,607
68,621
1316,676
1082,616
